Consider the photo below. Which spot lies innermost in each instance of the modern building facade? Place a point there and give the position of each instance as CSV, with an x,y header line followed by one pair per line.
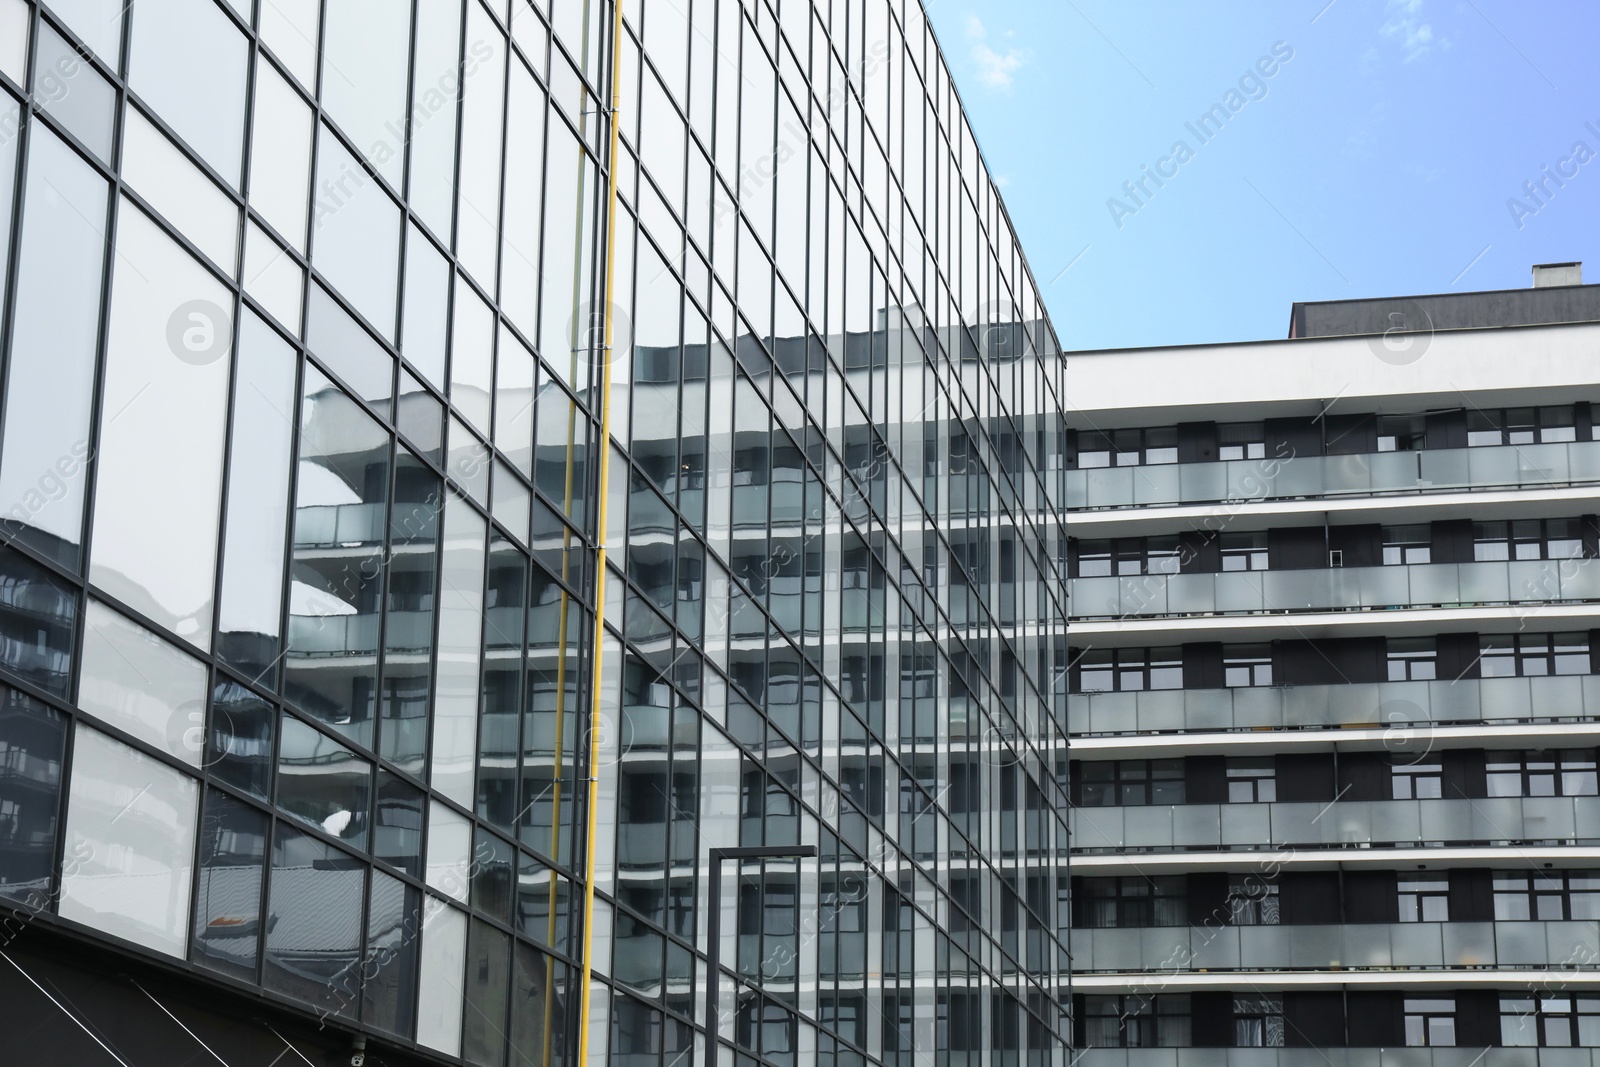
x,y
462,463
1336,659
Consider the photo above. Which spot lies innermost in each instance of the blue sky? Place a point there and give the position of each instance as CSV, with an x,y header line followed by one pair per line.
x,y
1378,159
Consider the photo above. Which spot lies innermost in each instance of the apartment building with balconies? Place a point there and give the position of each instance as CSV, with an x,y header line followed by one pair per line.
x,y
1335,658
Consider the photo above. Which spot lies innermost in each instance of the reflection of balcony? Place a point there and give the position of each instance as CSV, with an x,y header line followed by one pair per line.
x,y
1378,704
1336,589
1345,824
347,524
344,635
1216,947
1434,470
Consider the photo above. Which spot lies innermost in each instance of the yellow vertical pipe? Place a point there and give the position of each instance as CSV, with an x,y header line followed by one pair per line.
x,y
600,555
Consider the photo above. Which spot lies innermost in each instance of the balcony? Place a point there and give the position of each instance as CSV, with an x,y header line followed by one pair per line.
x,y
1333,946
1445,585
1381,704
1345,824
1300,477
1337,1057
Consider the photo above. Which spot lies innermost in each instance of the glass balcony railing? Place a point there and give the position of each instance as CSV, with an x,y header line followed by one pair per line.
x,y
1475,1056
1336,589
1376,704
1435,470
1332,946
1363,824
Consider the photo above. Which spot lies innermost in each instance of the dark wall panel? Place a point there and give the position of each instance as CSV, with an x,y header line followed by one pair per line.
x,y
1374,1018
1371,897
1314,1019
1305,777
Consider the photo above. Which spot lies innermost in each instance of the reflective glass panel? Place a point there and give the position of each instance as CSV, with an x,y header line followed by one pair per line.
x,y
227,907
250,626
316,901
323,783
331,668
134,680
178,45
74,93
131,825
54,329
356,234
32,737
162,424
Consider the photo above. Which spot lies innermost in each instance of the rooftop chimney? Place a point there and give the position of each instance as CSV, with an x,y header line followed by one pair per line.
x,y
1548,274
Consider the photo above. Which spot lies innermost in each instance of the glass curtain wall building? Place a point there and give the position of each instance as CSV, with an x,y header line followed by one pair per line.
x,y
315,313
1336,632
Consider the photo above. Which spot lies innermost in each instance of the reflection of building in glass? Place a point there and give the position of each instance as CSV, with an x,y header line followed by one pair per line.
x,y
306,318
1333,686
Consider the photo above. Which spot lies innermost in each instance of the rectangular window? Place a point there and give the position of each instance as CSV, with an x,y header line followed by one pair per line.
x,y
1406,545
1241,440
1533,655
1525,539
1556,1020
1247,665
1430,1022
1413,659
1135,783
1258,1022
1546,896
1251,780
1253,902
1424,898
1548,773
1520,426
1133,902
1244,551
1127,669
1417,781
1128,448
1402,433
1137,1021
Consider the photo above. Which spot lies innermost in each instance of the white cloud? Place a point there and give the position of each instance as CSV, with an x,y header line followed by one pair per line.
x,y
995,69
1001,181
1404,27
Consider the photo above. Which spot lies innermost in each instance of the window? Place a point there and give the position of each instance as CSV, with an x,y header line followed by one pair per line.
x,y
1253,901
1244,551
1258,1022
1136,1021
1241,440
1548,896
1407,545
1430,1022
1413,659
1124,669
1520,426
1417,781
1527,539
1128,448
1133,782
1124,556
1424,898
1251,780
1402,433
1133,902
1557,1020
1246,665
1551,773
1532,655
